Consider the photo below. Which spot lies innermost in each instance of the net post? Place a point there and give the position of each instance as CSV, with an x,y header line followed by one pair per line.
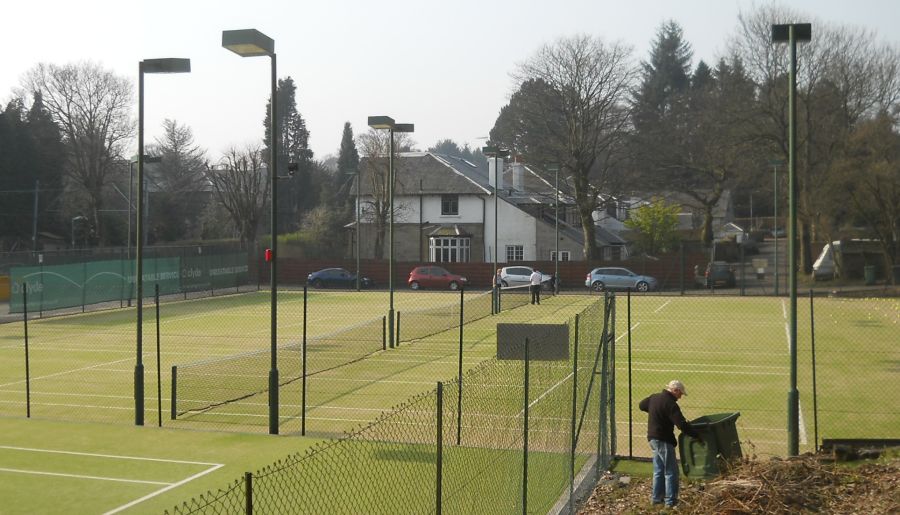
x,y
383,333
248,493
174,390
397,327
440,447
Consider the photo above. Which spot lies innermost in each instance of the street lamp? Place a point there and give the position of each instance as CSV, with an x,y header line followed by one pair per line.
x,y
75,219
791,33
166,65
147,159
386,122
555,169
775,163
496,152
356,173
253,43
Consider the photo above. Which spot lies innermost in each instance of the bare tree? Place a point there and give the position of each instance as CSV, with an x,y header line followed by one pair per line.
x,y
240,184
180,178
845,76
584,121
374,147
92,107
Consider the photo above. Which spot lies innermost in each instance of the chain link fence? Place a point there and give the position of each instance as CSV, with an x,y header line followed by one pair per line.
x,y
506,436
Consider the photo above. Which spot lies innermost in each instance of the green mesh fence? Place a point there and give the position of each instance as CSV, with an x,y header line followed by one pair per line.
x,y
422,323
490,442
60,286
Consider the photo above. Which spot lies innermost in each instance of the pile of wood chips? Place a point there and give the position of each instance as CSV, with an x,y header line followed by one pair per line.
x,y
806,484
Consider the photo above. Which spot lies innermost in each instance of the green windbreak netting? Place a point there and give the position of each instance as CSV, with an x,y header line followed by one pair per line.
x,y
65,286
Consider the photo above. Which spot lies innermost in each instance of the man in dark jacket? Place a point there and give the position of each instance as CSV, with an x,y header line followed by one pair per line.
x,y
664,415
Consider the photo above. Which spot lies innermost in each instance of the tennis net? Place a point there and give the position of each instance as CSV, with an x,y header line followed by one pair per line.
x,y
203,385
422,323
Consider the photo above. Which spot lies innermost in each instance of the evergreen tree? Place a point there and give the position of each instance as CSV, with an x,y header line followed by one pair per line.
x,y
665,77
296,194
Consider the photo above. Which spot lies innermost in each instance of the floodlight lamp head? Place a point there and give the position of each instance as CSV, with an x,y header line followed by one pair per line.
x,y
166,65
248,42
381,122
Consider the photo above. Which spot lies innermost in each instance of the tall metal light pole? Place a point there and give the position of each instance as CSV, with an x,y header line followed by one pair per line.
x,y
775,163
167,65
791,33
357,227
496,152
386,122
555,169
253,43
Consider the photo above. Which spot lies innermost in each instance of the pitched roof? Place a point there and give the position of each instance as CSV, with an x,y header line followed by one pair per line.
x,y
420,173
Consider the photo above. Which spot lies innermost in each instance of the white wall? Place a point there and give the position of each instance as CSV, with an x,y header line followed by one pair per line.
x,y
514,227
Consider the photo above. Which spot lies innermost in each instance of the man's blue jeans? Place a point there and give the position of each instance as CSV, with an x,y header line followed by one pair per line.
x,y
665,473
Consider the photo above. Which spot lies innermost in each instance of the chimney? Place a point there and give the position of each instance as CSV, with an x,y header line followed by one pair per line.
x,y
500,163
518,176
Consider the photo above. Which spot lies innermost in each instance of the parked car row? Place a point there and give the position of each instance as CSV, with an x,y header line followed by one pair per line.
x,y
717,274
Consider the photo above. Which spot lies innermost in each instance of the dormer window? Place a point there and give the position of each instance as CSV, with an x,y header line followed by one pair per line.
x,y
449,205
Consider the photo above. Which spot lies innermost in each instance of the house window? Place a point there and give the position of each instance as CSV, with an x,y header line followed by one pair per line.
x,y
449,204
443,249
563,255
515,253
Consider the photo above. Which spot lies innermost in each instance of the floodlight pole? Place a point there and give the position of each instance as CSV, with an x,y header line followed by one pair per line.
x,y
357,228
791,33
556,217
168,65
497,153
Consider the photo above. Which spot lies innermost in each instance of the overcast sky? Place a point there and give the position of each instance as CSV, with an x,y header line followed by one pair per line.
x,y
444,66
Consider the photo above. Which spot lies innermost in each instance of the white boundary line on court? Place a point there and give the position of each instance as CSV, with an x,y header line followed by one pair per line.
x,y
169,486
64,372
81,476
787,333
657,310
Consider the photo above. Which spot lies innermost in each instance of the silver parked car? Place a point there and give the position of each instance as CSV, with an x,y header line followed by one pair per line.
x,y
608,278
521,275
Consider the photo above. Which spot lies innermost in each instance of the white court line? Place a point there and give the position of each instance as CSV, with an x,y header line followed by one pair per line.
x,y
657,310
532,403
169,486
80,476
787,332
163,490
67,372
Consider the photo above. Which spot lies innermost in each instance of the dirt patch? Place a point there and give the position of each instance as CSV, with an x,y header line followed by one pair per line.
x,y
806,484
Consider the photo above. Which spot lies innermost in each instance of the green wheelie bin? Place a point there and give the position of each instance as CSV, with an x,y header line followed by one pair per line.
x,y
704,459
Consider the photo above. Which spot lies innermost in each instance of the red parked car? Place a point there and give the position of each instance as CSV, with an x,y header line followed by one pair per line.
x,y
434,277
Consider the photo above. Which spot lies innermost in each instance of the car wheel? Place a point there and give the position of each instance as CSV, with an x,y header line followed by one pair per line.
x,y
316,283
454,286
414,285
642,286
504,284
598,286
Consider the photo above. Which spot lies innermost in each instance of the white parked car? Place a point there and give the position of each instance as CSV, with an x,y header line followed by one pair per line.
x,y
521,276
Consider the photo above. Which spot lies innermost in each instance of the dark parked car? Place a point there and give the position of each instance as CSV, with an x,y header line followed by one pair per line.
x,y
336,278
434,277
717,274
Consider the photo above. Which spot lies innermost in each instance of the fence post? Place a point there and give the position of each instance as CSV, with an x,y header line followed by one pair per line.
x,y
574,416
525,437
630,405
158,365
681,259
248,493
83,282
174,389
612,379
397,328
303,386
459,373
604,364
743,268
383,333
440,447
27,361
812,331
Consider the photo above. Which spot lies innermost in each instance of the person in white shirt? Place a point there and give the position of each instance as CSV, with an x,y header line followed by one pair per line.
x,y
536,287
